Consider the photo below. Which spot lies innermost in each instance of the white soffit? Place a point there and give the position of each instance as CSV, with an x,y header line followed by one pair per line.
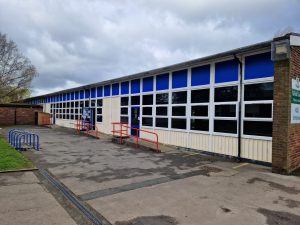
x,y
294,40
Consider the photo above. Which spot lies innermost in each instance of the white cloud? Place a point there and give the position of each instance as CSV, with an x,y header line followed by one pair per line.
x,y
85,41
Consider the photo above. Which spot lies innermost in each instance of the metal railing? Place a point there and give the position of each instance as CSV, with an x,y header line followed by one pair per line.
x,y
124,133
20,137
87,128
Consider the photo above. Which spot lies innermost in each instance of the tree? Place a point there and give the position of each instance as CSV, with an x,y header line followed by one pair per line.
x,y
16,72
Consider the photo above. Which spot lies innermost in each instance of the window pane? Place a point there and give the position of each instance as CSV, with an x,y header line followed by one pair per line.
x,y
76,104
258,128
200,96
147,99
99,102
87,104
179,97
124,101
226,94
225,126
179,123
178,111
72,104
93,103
200,110
258,110
124,119
198,124
99,119
162,111
135,100
254,92
225,110
124,111
147,110
99,111
148,121
162,99
161,122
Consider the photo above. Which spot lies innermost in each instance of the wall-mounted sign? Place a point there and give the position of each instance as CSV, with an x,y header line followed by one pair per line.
x,y
295,101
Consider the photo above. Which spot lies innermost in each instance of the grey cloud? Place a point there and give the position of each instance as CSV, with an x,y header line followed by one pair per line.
x,y
79,42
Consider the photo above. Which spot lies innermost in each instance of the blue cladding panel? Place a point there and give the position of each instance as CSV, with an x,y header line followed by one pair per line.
x,y
64,97
227,71
135,86
72,95
162,82
107,90
81,94
87,93
60,97
148,84
76,95
201,75
259,66
179,79
93,93
68,96
99,91
115,89
125,88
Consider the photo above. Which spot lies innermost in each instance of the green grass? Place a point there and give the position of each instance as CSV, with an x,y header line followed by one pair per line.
x,y
10,159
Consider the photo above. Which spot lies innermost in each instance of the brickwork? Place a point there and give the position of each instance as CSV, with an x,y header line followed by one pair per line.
x,y
286,136
11,115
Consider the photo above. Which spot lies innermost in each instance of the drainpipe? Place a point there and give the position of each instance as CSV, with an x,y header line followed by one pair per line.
x,y
240,106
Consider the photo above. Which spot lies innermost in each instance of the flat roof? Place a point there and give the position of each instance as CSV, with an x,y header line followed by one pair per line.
x,y
173,67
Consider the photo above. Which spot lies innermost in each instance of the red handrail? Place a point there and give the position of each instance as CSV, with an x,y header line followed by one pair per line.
x,y
126,126
89,128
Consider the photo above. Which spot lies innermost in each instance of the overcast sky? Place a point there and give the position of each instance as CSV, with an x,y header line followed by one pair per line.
x,y
76,42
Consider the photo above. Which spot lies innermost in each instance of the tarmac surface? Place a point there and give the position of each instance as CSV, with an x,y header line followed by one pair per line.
x,y
125,185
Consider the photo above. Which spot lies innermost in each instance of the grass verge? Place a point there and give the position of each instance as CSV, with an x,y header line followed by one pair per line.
x,y
10,159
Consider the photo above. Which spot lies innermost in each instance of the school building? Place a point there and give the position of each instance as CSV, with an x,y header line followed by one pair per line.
x,y
243,103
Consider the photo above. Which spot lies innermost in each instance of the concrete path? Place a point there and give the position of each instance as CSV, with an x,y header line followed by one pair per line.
x,y
24,201
130,186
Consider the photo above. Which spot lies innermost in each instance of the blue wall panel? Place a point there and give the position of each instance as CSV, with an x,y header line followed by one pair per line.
x,y
125,88
99,91
76,95
93,92
65,97
179,79
162,82
135,86
148,84
68,96
115,89
227,71
259,66
107,90
81,94
72,95
200,75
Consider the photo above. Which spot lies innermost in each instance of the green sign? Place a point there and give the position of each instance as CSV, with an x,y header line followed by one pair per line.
x,y
295,101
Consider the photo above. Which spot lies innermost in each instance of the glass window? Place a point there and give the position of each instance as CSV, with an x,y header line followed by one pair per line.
x,y
99,102
179,97
225,110
124,101
93,103
161,122
200,124
162,99
135,100
225,126
147,121
72,104
87,104
178,111
76,104
258,128
99,110
81,103
226,94
124,111
99,118
200,110
147,110
124,119
178,123
200,96
256,92
258,110
161,111
147,99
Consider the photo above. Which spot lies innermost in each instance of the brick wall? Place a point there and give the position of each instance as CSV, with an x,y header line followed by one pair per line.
x,y
17,115
286,136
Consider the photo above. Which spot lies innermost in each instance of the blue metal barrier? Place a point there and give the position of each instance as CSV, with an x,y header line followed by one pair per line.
x,y
18,137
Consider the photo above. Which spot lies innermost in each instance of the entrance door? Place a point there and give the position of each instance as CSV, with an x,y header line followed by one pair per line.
x,y
53,117
135,120
93,111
